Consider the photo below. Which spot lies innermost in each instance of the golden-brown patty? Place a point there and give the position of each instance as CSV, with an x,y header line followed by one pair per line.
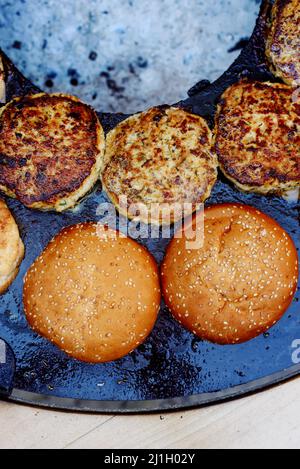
x,y
161,156
93,292
257,137
239,283
51,150
283,44
11,248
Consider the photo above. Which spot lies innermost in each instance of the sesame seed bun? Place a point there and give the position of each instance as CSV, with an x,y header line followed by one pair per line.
x,y
11,248
93,292
239,283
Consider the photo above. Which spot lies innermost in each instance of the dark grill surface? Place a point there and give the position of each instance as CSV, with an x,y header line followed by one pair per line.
x,y
173,368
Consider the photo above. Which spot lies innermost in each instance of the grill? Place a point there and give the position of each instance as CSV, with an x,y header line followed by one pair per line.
x,y
173,369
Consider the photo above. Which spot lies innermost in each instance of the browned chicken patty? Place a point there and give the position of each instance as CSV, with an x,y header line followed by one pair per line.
x,y
51,150
283,44
161,157
257,137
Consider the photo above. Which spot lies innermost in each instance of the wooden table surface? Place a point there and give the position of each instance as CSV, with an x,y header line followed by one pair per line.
x,y
266,420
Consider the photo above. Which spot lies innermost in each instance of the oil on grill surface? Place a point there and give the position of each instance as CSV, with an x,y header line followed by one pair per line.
x,y
172,363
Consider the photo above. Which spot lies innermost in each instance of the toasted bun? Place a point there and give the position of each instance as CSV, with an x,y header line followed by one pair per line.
x,y
11,248
239,284
283,44
257,137
162,156
51,150
93,292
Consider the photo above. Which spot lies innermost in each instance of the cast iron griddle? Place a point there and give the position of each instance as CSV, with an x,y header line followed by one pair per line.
x,y
173,369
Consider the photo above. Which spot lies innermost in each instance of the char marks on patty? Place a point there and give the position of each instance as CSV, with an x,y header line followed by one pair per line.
x,y
283,43
257,137
161,156
51,150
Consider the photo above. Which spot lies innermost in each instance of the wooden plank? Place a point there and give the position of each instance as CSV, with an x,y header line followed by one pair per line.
x,y
27,427
266,420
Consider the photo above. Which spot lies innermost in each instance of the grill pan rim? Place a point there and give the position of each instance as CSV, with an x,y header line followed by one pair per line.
x,y
18,84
